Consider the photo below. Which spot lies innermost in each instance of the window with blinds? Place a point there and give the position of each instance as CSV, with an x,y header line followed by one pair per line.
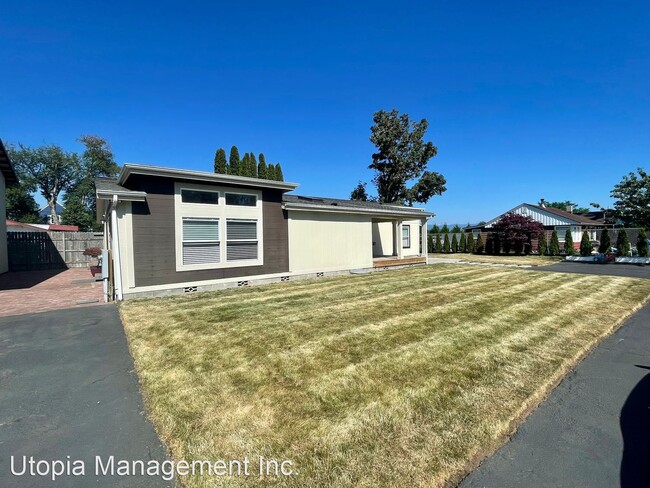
x,y
201,243
241,239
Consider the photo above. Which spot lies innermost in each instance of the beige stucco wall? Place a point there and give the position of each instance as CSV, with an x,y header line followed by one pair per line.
x,y
382,238
320,241
4,260
414,250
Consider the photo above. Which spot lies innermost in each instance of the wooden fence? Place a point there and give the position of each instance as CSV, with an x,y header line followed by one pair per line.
x,y
50,250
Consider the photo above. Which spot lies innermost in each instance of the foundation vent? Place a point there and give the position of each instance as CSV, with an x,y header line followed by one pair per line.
x,y
320,274
190,289
284,278
243,283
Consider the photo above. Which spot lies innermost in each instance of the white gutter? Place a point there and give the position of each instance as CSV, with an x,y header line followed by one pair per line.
x,y
416,213
117,262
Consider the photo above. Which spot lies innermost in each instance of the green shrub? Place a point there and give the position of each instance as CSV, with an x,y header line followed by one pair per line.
x,y
489,244
462,245
454,244
542,248
438,243
455,229
445,246
605,242
430,243
622,243
496,244
554,245
568,243
642,244
479,245
444,229
585,245
470,242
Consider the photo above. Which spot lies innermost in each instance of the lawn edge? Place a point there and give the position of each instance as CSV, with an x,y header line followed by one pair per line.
x,y
536,399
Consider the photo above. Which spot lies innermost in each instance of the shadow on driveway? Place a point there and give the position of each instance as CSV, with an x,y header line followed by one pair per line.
x,y
68,389
635,427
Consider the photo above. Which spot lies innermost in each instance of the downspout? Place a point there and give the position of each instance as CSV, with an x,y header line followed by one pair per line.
x,y
117,262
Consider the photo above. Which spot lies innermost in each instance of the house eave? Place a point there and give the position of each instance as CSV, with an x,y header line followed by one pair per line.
x,y
202,176
389,212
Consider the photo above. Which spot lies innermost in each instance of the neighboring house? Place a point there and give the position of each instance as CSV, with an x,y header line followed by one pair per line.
x,y
552,219
175,231
45,214
13,226
7,177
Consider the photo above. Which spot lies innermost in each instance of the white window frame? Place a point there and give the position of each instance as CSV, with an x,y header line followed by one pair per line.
x,y
204,190
218,241
240,193
256,240
221,212
406,227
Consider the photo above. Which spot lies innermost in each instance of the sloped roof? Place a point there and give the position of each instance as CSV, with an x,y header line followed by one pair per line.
x,y
589,218
6,168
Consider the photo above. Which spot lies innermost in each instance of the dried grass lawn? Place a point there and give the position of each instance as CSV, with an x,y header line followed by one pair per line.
x,y
530,260
401,378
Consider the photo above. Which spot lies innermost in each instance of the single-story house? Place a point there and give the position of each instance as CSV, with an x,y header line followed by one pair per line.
x,y
7,177
171,231
553,219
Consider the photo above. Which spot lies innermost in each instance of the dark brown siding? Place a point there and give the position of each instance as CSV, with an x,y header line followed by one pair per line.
x,y
154,247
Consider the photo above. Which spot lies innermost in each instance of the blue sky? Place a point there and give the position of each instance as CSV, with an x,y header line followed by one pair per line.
x,y
525,100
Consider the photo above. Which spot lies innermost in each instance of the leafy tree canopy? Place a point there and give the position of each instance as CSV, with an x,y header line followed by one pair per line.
x,y
21,206
359,192
632,196
566,205
402,156
517,230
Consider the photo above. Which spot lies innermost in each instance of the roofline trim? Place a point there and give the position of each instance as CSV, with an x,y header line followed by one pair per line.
x,y
356,210
126,195
8,171
140,169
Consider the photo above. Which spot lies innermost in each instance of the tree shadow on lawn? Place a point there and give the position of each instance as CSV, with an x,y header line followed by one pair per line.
x,y
635,427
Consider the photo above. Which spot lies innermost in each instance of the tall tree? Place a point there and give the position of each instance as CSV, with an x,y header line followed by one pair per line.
x,y
253,166
542,246
479,248
605,242
642,243
462,245
470,242
438,246
554,245
220,163
585,245
568,243
261,168
234,162
270,172
48,168
402,156
96,161
622,243
278,172
454,243
632,196
435,229
21,206
359,192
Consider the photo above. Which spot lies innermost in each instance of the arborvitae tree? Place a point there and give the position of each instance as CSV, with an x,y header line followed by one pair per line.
x,y
489,244
605,242
554,245
431,243
253,170
454,243
507,245
435,229
445,245
455,229
496,244
462,245
234,162
470,242
270,171
542,247
622,243
220,164
479,244
438,243
261,168
568,243
585,245
244,166
642,243
278,172
444,229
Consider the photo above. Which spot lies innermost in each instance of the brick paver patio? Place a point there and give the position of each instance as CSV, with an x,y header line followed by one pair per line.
x,y
39,291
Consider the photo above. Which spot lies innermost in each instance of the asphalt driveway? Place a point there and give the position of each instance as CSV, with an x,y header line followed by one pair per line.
x,y
68,389
593,430
627,270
